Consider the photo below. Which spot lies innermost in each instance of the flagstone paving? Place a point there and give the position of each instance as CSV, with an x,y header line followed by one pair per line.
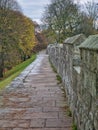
x,y
34,100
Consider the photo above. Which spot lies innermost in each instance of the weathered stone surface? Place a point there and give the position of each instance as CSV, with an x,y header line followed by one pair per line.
x,y
41,129
90,43
60,123
37,123
79,72
33,100
76,40
14,123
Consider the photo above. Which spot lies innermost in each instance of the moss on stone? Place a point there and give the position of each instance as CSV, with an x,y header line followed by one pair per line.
x,y
90,43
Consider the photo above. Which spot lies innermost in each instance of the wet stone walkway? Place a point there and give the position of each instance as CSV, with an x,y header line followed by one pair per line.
x,y
34,100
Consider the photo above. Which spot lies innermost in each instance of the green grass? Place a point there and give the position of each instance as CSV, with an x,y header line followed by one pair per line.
x,y
74,127
59,79
69,113
15,71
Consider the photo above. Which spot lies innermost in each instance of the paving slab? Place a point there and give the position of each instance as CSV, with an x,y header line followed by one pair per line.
x,y
34,100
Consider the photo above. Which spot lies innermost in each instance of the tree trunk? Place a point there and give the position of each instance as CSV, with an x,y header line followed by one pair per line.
x,y
1,72
1,65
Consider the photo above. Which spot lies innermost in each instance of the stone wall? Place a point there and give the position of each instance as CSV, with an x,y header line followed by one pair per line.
x,y
78,69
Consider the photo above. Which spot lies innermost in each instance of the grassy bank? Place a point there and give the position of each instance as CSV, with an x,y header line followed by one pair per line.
x,y
15,71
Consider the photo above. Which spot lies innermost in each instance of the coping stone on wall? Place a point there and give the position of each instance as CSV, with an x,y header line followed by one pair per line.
x,y
75,42
61,45
78,69
90,43
77,39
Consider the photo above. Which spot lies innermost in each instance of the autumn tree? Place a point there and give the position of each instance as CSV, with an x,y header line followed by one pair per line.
x,y
5,7
41,40
16,35
25,35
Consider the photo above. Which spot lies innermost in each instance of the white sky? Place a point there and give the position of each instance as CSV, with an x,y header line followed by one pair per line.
x,y
84,1
34,8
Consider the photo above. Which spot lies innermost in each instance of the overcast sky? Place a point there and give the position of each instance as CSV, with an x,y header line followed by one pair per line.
x,y
34,8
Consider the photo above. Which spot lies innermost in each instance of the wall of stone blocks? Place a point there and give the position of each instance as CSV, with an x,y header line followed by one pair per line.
x,y
79,73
